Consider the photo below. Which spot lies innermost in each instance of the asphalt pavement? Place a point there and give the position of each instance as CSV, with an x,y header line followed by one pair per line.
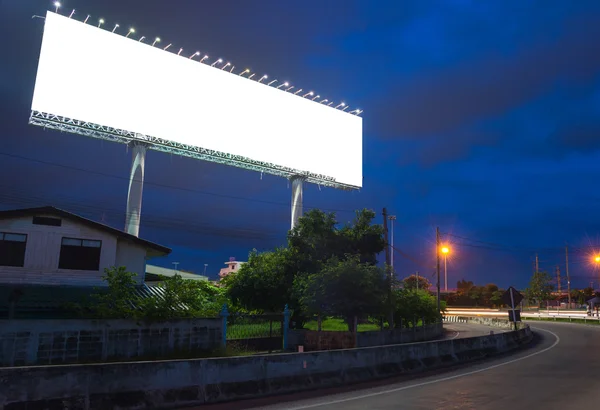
x,y
463,330
558,371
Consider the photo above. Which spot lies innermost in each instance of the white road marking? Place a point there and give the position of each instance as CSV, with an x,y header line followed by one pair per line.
x,y
455,336
443,379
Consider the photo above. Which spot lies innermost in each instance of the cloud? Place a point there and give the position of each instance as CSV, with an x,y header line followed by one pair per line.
x,y
452,99
581,138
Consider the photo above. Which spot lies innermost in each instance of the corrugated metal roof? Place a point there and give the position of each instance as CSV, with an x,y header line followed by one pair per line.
x,y
158,270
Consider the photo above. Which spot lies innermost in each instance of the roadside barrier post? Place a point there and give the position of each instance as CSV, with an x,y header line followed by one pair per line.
x,y
224,315
286,325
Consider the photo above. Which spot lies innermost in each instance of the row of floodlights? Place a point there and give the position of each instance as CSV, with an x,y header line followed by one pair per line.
x,y
285,86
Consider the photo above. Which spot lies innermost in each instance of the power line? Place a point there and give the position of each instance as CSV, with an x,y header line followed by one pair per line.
x,y
150,221
512,248
146,183
410,258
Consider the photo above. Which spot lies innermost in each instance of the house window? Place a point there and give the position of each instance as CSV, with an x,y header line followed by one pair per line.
x,y
45,220
80,254
12,249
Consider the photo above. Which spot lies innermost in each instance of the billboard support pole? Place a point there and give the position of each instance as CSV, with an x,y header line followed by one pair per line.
x,y
136,187
297,185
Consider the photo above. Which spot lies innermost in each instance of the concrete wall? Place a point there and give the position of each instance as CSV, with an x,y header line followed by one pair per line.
x,y
314,340
42,342
43,251
192,382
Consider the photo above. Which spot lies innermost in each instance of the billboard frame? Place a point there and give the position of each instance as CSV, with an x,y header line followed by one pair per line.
x,y
74,126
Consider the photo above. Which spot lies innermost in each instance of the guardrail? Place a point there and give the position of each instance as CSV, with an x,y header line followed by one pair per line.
x,y
178,383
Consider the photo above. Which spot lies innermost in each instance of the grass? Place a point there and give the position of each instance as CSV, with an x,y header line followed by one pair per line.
x,y
252,330
338,325
255,330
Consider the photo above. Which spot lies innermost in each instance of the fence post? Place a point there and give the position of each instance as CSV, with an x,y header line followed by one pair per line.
x,y
286,325
224,314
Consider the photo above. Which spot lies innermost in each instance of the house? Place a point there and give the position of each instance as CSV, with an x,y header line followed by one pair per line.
x,y
154,274
50,246
232,266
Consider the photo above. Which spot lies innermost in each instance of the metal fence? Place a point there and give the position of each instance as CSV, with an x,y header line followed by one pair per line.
x,y
258,333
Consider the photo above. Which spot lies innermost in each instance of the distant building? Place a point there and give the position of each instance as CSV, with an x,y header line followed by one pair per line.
x,y
154,274
232,266
50,246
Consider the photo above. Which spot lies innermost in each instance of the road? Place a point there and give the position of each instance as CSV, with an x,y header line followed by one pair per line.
x,y
549,374
463,330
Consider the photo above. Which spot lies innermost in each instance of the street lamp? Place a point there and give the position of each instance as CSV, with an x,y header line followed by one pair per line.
x,y
175,265
445,251
392,218
205,265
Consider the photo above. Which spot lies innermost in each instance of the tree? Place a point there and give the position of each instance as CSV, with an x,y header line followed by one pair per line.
x,y
362,238
181,298
116,301
487,292
463,287
588,292
316,239
540,287
415,305
475,294
410,282
345,288
264,283
496,299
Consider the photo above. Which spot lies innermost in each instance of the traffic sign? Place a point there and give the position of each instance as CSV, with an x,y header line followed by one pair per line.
x,y
514,300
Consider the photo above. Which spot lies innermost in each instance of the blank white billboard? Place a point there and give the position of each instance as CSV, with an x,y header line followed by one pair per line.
x,y
90,74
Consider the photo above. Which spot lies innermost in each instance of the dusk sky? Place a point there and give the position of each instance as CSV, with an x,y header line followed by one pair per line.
x,y
480,117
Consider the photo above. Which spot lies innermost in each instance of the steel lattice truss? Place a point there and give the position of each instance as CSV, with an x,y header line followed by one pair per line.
x,y
88,129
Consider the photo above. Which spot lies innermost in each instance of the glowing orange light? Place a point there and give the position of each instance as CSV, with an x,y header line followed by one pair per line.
x,y
446,250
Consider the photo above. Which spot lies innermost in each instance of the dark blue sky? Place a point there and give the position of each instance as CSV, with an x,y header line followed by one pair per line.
x,y
482,118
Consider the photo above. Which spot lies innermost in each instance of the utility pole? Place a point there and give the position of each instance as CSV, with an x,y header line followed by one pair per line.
x,y
392,218
437,264
386,237
417,280
568,277
387,267
537,263
558,279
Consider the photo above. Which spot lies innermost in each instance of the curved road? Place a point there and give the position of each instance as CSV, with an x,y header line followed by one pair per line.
x,y
463,330
558,371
